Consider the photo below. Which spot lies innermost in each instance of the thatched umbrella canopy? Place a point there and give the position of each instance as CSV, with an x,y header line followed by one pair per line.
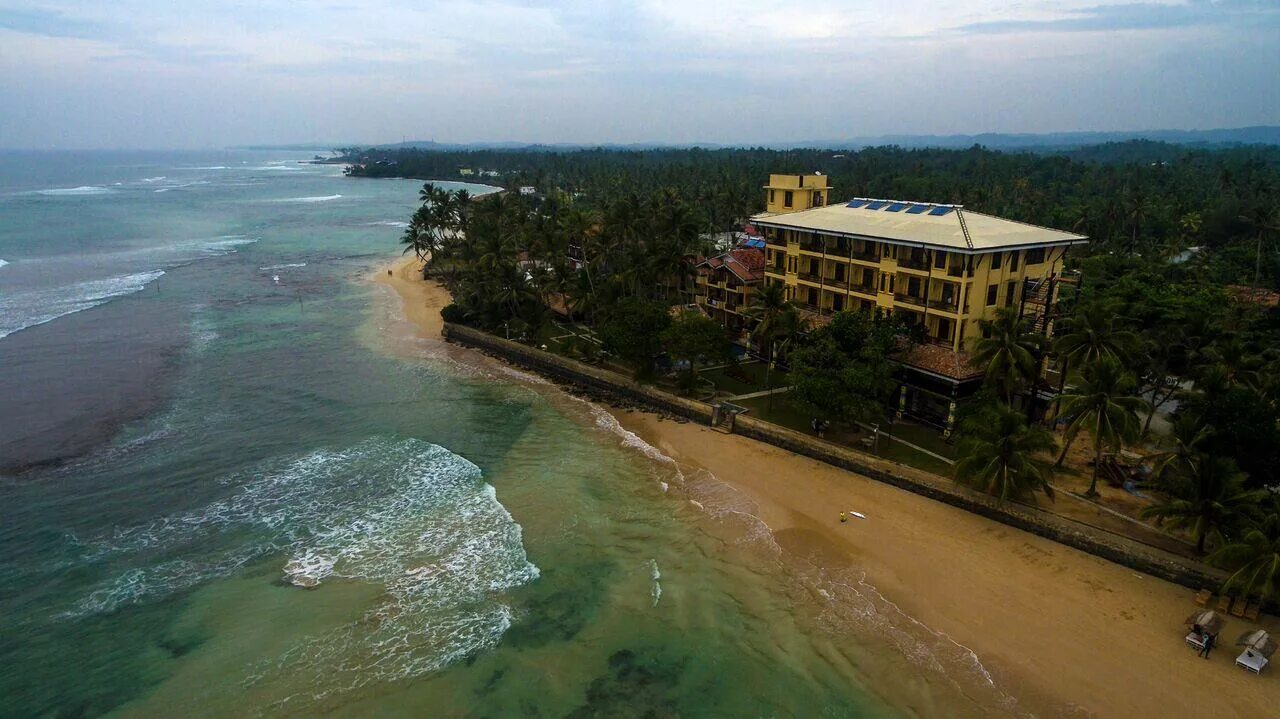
x,y
1207,619
1258,641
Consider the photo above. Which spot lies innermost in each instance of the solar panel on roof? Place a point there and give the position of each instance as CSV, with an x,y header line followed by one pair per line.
x,y
876,205
896,207
939,211
856,204
916,209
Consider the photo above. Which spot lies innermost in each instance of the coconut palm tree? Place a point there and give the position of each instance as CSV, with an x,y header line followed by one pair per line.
x,y
1101,400
1180,460
1008,351
1208,502
1253,560
766,307
1091,334
1000,459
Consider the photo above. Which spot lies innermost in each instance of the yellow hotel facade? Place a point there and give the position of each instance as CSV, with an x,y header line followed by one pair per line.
x,y
937,266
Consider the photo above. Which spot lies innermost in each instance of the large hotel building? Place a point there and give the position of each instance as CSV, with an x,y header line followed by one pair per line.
x,y
939,267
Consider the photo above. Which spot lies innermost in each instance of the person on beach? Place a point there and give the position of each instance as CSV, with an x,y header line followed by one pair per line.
x,y
1209,640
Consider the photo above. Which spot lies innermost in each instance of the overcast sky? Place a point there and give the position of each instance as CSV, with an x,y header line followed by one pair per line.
x,y
195,73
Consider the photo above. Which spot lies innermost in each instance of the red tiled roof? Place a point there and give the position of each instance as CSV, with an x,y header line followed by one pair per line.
x,y
1258,296
942,361
746,264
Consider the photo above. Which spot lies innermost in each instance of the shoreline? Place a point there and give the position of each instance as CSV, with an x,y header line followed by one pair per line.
x,y
1066,633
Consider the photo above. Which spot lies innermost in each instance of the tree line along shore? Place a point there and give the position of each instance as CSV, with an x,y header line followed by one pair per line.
x,y
1169,342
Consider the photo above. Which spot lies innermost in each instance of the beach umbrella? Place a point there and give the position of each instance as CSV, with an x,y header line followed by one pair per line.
x,y
1258,641
1208,619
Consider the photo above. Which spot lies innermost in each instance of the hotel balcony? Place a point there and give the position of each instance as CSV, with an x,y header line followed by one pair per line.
x,y
909,299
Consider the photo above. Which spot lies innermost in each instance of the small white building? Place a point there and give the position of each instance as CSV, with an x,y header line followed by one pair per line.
x,y
528,190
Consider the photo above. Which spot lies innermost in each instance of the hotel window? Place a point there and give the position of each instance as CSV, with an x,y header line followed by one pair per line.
x,y
817,199
1013,261
773,196
991,294
939,259
1009,298
995,260
787,198
868,278
1036,256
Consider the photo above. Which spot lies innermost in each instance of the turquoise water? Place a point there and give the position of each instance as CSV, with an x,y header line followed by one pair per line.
x,y
204,398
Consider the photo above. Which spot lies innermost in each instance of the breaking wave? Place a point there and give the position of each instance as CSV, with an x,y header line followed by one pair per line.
x,y
82,191
308,200
20,310
284,266
404,514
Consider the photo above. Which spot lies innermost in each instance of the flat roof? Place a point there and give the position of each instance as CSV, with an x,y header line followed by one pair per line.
x,y
904,222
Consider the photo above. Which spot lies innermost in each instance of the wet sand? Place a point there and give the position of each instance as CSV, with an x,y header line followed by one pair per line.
x,y
1065,633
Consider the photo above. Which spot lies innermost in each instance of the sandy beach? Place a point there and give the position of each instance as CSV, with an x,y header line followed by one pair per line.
x,y
1064,632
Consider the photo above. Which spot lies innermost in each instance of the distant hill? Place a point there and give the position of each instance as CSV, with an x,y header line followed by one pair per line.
x,y
1259,135
1031,142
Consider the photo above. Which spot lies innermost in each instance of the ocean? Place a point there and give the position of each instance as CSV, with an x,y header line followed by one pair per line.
x,y
202,395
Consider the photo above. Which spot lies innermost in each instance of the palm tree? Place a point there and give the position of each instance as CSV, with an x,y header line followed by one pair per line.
x,y
1254,559
766,307
1208,502
1008,351
1000,459
1265,221
1102,401
1091,335
1180,460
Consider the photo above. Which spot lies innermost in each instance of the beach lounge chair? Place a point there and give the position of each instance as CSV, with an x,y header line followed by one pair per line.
x,y
1224,602
1237,609
1252,661
1203,597
1251,612
1195,640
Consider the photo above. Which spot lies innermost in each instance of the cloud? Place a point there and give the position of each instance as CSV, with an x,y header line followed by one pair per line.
x,y
1138,16
202,72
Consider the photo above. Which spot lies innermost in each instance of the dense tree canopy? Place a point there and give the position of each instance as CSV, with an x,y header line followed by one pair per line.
x,y
1137,198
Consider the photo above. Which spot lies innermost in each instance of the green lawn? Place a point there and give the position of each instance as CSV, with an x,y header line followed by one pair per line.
x,y
788,415
752,378
925,436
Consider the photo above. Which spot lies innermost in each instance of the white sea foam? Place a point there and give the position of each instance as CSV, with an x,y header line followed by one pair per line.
x,y
23,309
390,223
211,167
655,590
284,266
373,512
609,423
224,245
154,179
309,200
3,263
83,190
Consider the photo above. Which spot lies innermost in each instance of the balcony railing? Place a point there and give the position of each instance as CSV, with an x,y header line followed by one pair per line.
x,y
913,264
909,299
